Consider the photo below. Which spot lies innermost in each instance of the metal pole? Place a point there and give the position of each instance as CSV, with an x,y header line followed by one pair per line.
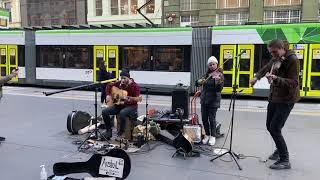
x,y
162,16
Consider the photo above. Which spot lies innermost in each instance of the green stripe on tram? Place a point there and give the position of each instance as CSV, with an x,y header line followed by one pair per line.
x,y
145,30
11,32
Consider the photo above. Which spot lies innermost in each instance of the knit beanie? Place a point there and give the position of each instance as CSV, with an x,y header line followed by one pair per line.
x,y
212,59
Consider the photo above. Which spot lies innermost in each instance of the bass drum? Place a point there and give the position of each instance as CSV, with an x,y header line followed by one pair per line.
x,y
77,120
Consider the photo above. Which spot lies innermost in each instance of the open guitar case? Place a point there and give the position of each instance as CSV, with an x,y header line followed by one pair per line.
x,y
92,166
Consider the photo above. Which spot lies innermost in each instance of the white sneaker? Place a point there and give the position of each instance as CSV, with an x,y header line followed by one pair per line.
x,y
212,141
205,139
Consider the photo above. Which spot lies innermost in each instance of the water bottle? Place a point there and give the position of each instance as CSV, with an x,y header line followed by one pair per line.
x,y
43,173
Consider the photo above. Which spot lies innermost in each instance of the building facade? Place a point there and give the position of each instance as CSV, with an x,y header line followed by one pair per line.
x,y
123,11
13,8
237,12
4,18
53,12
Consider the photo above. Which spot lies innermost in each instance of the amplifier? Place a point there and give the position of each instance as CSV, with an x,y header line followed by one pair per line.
x,y
180,99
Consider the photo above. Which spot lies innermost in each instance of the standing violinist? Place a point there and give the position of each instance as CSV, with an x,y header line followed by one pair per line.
x,y
282,73
210,98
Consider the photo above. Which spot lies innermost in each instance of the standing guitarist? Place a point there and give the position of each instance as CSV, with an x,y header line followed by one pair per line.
x,y
127,106
3,80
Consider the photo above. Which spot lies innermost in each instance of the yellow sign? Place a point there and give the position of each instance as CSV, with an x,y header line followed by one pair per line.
x,y
3,52
12,52
299,53
228,54
112,54
100,53
316,54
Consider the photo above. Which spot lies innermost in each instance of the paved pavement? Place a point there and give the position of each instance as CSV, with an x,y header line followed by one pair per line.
x,y
35,128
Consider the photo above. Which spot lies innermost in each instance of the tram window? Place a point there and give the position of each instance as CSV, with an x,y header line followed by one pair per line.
x,y
228,80
21,60
77,57
50,56
265,57
315,65
3,71
169,59
137,58
244,80
3,56
13,55
315,83
65,57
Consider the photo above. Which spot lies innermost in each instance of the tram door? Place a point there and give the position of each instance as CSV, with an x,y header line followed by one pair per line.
x,y
313,74
301,51
8,60
110,56
244,63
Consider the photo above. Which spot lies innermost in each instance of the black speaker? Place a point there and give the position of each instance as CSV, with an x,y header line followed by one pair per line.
x,y
180,99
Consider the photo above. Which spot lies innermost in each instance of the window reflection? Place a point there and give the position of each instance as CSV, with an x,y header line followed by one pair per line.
x,y
65,57
137,58
169,59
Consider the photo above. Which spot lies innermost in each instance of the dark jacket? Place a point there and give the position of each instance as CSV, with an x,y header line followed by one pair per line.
x,y
103,75
284,89
4,80
211,92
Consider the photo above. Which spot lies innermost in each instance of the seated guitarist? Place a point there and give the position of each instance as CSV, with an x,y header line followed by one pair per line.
x,y
129,105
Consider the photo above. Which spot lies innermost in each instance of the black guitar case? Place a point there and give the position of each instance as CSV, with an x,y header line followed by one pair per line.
x,y
77,120
93,164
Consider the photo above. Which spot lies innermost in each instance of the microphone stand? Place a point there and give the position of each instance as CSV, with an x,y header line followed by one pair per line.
x,y
147,115
96,130
232,102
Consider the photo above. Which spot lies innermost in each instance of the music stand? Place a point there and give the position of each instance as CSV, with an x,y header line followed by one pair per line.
x,y
233,102
96,130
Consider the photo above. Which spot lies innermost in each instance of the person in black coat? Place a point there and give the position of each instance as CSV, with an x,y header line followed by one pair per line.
x,y
212,84
102,76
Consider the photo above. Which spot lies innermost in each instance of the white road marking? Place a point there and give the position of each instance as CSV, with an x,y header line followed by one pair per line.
x,y
90,97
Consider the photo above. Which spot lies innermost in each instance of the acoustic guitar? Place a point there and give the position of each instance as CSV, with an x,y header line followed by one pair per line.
x,y
118,97
116,163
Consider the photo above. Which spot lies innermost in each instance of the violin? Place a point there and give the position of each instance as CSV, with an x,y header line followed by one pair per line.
x,y
274,68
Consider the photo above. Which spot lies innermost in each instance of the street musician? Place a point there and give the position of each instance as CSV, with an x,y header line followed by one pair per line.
x,y
212,84
282,73
122,98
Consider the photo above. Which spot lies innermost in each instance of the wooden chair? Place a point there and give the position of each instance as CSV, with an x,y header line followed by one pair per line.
x,y
130,124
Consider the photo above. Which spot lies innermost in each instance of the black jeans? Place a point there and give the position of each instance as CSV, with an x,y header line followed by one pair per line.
x,y
208,113
103,93
123,113
277,115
